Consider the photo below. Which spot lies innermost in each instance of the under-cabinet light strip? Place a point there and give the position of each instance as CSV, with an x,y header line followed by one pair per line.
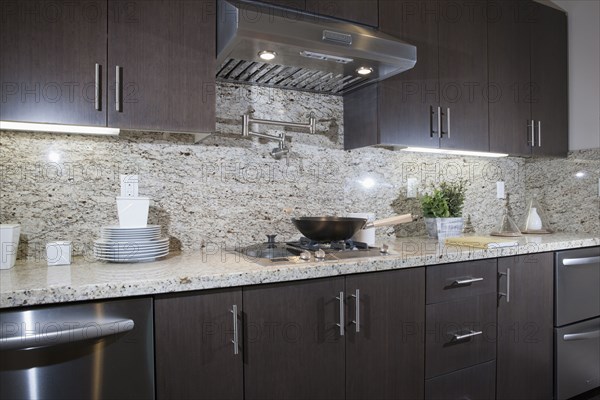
x,y
83,130
454,152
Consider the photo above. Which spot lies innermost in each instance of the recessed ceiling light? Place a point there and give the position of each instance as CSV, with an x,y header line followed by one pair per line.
x,y
267,55
364,70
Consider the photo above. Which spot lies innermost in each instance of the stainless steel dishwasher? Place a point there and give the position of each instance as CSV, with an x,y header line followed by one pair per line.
x,y
577,322
99,350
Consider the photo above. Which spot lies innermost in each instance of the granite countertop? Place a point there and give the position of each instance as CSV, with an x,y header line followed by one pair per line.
x,y
33,282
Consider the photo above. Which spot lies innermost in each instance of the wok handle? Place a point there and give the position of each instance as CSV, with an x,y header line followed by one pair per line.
x,y
399,219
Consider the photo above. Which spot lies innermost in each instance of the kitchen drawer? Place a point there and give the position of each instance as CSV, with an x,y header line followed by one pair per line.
x,y
454,281
477,382
446,322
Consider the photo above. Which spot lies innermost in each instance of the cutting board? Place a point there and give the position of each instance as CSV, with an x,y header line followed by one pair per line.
x,y
481,242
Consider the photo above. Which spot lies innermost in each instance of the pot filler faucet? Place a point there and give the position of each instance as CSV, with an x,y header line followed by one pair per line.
x,y
281,150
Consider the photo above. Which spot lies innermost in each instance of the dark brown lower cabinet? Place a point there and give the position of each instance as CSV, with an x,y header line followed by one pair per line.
x,y
195,356
293,346
460,333
477,382
525,327
385,351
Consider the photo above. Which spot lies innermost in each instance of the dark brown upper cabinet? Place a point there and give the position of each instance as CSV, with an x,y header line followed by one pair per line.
x,y
154,70
361,11
549,77
162,65
528,75
53,58
198,340
441,101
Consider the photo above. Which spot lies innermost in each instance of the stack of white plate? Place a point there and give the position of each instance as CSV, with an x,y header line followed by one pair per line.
x,y
118,244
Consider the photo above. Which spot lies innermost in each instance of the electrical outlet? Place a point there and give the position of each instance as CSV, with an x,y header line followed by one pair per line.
x,y
129,186
411,188
500,190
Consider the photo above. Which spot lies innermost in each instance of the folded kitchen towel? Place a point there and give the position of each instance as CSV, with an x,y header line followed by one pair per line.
x,y
481,242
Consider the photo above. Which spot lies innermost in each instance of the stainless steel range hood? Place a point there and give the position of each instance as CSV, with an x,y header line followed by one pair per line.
x,y
312,53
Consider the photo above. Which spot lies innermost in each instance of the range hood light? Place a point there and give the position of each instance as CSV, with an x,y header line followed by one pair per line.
x,y
364,70
454,152
80,129
267,55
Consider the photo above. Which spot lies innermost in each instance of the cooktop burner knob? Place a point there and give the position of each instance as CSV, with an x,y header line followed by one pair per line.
x,y
384,249
319,254
305,255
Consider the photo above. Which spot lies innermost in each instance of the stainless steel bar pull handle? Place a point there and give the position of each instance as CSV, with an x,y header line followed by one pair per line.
x,y
466,281
97,92
341,324
448,119
581,261
118,87
539,143
439,122
531,126
236,337
356,321
461,336
32,339
581,336
431,115
507,293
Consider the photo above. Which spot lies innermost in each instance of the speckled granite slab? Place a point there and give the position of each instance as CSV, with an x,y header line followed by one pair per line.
x,y
31,283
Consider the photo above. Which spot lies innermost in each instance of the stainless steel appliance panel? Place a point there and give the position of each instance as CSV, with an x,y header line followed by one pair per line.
x,y
100,350
577,358
577,283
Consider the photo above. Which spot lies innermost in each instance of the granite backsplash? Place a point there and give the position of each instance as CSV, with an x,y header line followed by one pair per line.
x,y
228,190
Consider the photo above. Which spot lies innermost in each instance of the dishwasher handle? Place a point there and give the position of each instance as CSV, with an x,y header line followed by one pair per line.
x,y
581,261
581,336
87,331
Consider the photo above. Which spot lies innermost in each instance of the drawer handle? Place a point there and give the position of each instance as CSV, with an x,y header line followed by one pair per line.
x,y
581,261
461,336
581,336
466,281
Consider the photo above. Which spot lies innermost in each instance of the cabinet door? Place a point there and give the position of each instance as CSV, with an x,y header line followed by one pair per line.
x,y
361,11
385,352
293,346
463,74
525,327
49,54
195,357
509,51
549,77
406,100
165,53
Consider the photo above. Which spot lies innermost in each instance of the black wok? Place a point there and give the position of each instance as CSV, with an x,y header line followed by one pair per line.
x,y
331,229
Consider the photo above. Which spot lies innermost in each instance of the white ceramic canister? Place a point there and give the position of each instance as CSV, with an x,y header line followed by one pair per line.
x,y
133,211
364,235
9,244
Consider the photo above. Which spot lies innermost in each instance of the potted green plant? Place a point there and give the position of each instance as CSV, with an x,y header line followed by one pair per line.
x,y
442,209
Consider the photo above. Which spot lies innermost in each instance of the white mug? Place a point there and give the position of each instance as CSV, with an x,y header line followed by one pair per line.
x,y
364,235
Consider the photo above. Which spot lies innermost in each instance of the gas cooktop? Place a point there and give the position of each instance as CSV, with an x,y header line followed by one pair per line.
x,y
306,250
